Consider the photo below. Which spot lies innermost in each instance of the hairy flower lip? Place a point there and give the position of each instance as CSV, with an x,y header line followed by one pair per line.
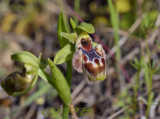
x,y
88,59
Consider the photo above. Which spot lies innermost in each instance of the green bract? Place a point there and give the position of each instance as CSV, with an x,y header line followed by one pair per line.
x,y
60,83
70,37
26,58
65,54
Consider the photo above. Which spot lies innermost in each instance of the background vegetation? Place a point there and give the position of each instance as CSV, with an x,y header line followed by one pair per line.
x,y
127,29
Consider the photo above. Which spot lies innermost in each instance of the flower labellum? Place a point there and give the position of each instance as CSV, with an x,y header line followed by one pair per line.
x,y
89,60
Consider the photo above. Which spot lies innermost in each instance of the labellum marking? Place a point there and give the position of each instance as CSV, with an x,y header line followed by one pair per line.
x,y
93,59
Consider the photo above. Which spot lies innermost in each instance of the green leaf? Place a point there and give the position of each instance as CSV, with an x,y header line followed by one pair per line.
x,y
30,87
73,24
83,26
45,76
26,58
60,83
61,28
65,54
70,37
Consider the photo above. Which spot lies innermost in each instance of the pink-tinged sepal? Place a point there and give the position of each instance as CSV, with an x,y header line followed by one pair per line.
x,y
77,61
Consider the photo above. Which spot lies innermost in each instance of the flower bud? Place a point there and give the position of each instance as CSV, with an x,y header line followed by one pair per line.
x,y
18,83
15,82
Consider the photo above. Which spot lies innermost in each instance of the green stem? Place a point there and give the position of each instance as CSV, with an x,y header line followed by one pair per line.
x,y
150,101
149,85
65,113
150,97
69,73
136,89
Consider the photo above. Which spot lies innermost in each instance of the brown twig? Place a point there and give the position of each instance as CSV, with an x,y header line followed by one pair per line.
x,y
118,113
73,111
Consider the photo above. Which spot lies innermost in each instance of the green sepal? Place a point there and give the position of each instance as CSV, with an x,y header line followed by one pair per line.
x,y
71,37
83,26
30,71
61,28
65,54
60,83
26,58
